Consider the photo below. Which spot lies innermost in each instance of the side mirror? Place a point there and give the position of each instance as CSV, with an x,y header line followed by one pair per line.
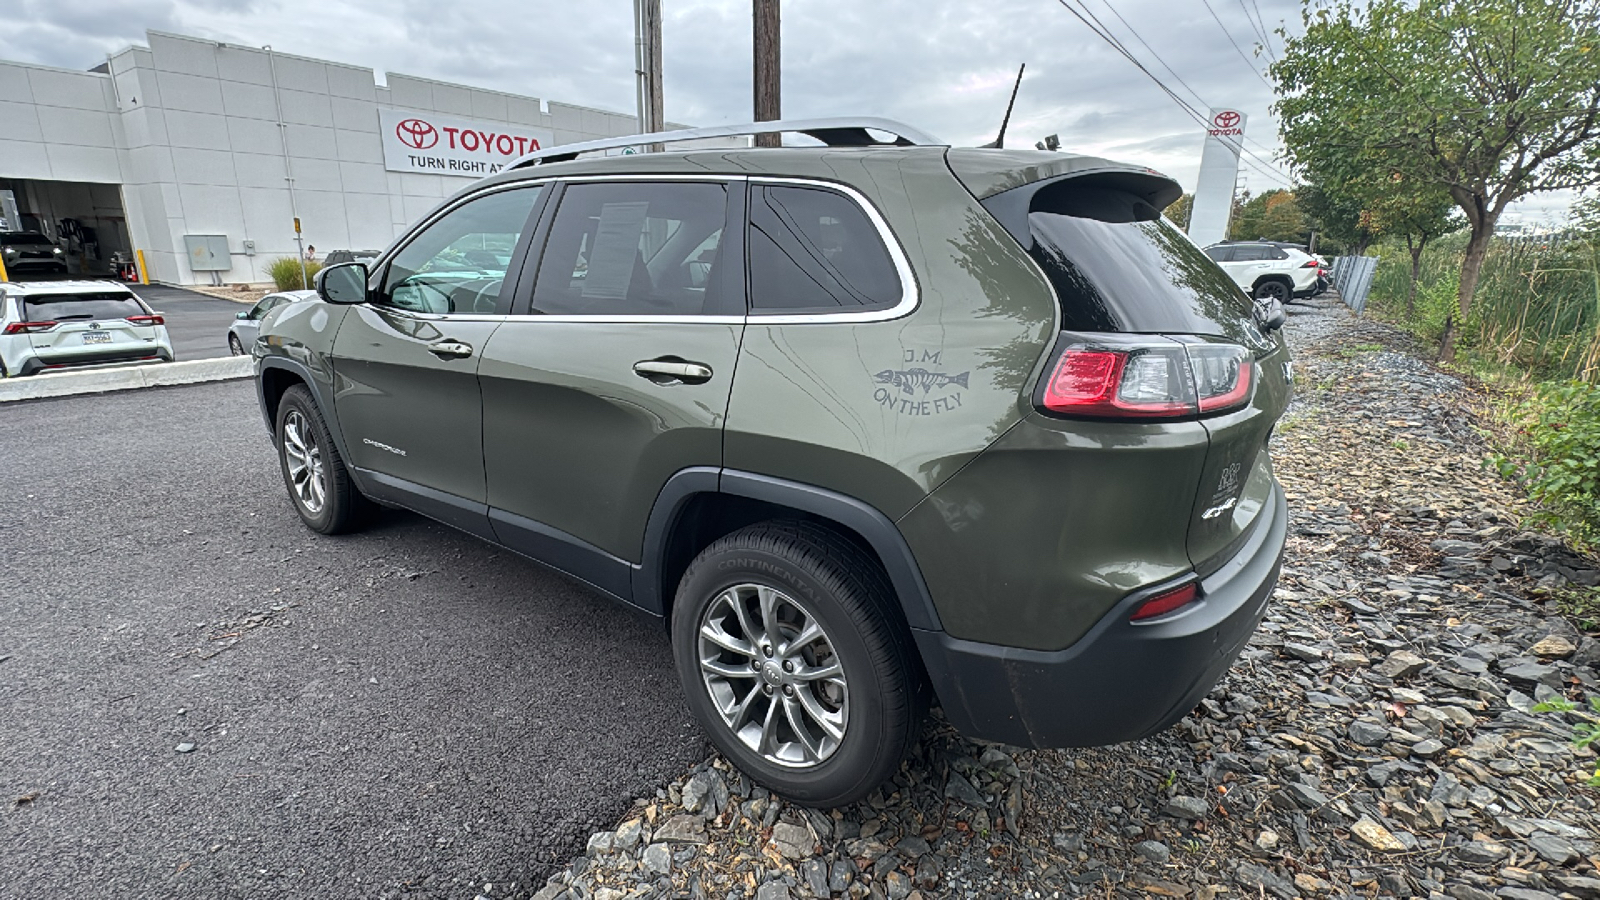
x,y
1270,315
344,283
243,315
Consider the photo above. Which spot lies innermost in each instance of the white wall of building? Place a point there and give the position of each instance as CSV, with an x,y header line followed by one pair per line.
x,y
202,137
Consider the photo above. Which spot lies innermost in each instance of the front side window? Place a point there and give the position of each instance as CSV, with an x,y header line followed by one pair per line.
x,y
814,250
634,248
458,264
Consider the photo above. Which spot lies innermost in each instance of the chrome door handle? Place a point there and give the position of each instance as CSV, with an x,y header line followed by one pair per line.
x,y
450,349
672,371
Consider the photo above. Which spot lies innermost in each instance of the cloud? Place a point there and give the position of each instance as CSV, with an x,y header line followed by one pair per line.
x,y
944,67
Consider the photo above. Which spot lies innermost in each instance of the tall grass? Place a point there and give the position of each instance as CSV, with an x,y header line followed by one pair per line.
x,y
1536,313
285,273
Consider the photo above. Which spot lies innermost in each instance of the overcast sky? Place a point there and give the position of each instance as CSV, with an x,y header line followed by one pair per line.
x,y
944,67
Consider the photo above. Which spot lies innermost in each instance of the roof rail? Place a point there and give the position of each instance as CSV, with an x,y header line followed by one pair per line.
x,y
835,132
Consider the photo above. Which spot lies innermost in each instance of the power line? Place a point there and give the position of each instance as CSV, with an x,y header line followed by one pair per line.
x,y
1265,34
1192,92
1258,28
1235,44
1248,157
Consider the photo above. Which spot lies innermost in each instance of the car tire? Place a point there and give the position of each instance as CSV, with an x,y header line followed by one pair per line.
x,y
234,347
320,488
768,703
1273,289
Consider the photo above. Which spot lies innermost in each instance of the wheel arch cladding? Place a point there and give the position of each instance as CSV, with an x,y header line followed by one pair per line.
x,y
698,506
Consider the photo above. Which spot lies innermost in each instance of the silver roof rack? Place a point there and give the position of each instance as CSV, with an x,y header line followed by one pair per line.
x,y
834,132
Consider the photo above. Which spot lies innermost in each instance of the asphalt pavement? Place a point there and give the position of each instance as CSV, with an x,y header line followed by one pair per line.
x,y
196,323
201,698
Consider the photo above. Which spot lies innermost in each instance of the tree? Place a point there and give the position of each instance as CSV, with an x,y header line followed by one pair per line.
x,y
1337,214
1489,100
1271,216
1417,212
1179,211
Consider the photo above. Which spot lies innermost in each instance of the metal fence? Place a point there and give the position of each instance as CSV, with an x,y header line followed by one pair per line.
x,y
1352,275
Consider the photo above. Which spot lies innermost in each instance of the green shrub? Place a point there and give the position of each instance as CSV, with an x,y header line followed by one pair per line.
x,y
285,273
1561,469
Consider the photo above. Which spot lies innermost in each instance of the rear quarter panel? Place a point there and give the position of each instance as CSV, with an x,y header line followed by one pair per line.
x,y
832,405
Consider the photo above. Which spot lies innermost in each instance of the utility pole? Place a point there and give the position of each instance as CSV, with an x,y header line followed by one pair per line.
x,y
767,70
647,65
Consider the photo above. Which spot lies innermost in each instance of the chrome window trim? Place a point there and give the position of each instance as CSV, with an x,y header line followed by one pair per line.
x,y
910,298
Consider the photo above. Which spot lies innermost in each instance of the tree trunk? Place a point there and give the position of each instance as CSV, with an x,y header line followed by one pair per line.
x,y
1471,266
1416,274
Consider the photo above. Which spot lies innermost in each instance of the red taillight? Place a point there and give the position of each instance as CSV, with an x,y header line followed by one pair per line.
x,y
147,320
1311,264
1166,602
1165,381
29,327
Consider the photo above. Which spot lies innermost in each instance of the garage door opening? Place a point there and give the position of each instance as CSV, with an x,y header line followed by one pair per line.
x,y
85,220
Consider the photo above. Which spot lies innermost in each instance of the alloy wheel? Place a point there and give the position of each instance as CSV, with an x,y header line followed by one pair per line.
x,y
1272,290
307,476
773,676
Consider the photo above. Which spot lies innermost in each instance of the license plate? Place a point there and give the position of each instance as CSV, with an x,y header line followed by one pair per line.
x,y
96,337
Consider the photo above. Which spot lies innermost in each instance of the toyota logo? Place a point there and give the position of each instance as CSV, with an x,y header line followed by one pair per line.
x,y
419,135
1226,119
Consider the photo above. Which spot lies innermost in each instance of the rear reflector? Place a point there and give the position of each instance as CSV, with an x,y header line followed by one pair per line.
x,y
29,327
147,320
1163,603
1166,380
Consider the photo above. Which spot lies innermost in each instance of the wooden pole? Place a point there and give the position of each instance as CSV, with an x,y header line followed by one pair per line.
x,y
768,60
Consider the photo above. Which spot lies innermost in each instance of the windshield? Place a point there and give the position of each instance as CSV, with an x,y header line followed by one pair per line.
x,y
69,307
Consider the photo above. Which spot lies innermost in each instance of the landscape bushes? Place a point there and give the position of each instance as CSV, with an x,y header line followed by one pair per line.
x,y
285,273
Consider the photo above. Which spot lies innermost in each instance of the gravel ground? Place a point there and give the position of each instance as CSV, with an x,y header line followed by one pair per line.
x,y
1375,739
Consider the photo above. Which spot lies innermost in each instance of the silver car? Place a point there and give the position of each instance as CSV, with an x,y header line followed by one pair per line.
x,y
242,333
76,324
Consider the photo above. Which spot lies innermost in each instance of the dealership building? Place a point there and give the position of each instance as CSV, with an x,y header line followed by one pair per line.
x,y
199,156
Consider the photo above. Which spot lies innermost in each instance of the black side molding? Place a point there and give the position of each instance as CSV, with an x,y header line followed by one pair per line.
x,y
466,515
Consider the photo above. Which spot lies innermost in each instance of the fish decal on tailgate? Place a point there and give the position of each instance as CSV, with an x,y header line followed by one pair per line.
x,y
907,380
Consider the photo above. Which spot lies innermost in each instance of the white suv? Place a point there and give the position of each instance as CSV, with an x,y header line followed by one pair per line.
x,y
1266,270
74,324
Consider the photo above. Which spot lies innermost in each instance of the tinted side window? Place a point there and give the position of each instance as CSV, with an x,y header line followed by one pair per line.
x,y
457,264
634,248
814,250
1220,254
1251,253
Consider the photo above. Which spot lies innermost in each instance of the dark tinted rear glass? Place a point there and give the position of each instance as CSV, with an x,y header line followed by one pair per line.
x,y
21,237
1118,266
814,250
70,307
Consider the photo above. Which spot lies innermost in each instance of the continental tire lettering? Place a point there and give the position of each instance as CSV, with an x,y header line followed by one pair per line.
x,y
778,572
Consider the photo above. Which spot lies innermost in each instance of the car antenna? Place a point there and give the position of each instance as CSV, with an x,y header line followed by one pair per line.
x,y
1000,142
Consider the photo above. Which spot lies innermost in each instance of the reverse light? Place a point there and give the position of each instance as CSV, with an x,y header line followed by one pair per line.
x,y
1152,382
147,320
1166,602
29,327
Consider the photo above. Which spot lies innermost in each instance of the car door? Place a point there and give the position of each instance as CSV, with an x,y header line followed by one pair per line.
x,y
615,373
249,328
406,362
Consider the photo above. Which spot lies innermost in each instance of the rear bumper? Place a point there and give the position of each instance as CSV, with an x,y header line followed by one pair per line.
x,y
1121,681
145,353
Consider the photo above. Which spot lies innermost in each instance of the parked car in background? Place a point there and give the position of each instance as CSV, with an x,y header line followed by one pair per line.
x,y
76,324
30,253
242,333
863,426
335,257
1267,270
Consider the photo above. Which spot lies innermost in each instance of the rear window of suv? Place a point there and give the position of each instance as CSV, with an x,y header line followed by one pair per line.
x,y
1118,266
68,307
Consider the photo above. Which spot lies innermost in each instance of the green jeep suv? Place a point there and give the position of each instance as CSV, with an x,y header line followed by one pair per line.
x,y
866,425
